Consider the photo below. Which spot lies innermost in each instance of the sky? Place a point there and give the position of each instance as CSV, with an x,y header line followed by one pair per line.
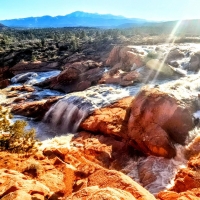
x,y
159,10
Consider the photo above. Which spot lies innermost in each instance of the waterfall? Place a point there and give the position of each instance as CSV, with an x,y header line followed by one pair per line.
x,y
67,114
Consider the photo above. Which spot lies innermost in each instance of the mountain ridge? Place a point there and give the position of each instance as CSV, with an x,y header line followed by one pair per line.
x,y
77,18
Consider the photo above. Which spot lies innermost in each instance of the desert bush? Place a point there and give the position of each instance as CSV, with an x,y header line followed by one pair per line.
x,y
14,137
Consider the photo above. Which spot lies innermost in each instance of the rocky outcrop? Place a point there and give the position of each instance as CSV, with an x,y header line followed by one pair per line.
x,y
23,88
76,77
124,57
23,67
156,120
120,78
188,195
96,193
35,109
194,64
151,123
111,120
174,54
69,168
15,185
83,66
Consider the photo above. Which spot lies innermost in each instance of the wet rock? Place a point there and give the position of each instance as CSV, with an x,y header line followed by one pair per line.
x,y
194,64
156,120
160,67
186,183
174,54
35,109
4,73
83,66
188,178
23,67
72,79
20,78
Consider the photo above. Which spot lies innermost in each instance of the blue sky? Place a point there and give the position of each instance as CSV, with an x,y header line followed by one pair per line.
x,y
146,9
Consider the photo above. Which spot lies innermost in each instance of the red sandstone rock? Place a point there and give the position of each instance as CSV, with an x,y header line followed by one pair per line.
x,y
96,193
125,56
74,79
157,119
83,66
15,182
36,109
37,66
193,194
76,171
110,178
111,120
23,88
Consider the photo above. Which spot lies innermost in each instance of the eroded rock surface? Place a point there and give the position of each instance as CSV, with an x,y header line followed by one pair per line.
x,y
35,109
69,168
111,120
156,120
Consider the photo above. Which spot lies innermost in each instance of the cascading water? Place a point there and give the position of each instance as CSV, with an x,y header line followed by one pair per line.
x,y
67,114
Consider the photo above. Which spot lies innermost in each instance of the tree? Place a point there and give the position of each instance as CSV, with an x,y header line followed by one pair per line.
x,y
14,137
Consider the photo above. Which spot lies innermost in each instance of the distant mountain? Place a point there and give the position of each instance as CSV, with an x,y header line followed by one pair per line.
x,y
74,19
3,27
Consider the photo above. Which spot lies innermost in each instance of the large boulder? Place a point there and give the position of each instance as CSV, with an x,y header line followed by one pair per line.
x,y
120,78
76,77
35,109
194,64
174,54
157,120
126,57
160,67
110,178
111,120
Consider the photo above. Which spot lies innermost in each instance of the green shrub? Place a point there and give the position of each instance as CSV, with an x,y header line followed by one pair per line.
x,y
14,137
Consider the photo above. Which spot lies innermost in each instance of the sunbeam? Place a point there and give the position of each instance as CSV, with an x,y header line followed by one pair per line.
x,y
170,40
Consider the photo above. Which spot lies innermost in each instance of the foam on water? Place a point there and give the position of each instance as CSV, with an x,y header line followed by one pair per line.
x,y
156,173
31,78
41,76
